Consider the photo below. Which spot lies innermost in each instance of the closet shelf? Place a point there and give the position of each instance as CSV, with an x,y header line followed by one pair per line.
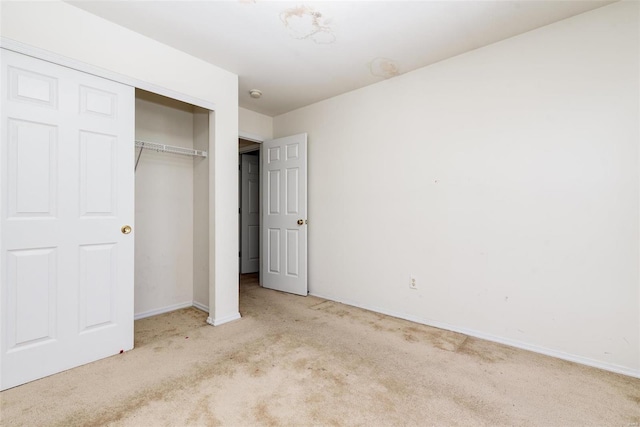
x,y
170,149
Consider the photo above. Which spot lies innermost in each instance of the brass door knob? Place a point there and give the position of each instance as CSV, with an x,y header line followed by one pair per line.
x,y
126,229
300,222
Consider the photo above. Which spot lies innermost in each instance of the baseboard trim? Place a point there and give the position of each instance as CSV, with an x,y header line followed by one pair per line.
x,y
223,320
489,337
202,307
162,310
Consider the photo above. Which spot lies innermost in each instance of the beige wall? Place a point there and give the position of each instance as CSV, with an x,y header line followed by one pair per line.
x,y
254,125
505,180
62,29
164,206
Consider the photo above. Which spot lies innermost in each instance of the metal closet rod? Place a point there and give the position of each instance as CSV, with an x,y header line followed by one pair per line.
x,y
170,149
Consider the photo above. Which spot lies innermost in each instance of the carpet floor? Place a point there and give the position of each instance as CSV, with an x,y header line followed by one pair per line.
x,y
305,361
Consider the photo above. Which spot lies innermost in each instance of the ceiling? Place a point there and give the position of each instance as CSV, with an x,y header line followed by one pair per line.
x,y
298,53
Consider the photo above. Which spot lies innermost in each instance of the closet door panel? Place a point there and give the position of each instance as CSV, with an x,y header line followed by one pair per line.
x,y
32,172
31,290
98,286
34,88
98,174
66,181
98,102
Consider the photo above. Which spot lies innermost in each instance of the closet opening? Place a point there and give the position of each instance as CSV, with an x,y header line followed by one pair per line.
x,y
171,205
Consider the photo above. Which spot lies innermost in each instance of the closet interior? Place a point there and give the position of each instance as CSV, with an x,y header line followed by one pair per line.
x,y
171,205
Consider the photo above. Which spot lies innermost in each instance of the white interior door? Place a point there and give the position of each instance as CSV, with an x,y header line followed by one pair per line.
x,y
66,184
284,224
250,214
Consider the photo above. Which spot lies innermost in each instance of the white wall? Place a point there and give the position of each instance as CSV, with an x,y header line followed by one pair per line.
x,y
65,30
256,125
164,206
201,210
505,180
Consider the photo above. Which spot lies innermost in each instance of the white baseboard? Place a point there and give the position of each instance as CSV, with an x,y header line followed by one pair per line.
x,y
162,310
173,307
202,307
507,341
223,320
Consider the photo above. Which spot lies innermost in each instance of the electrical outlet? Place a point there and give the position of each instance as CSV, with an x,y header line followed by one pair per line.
x,y
412,283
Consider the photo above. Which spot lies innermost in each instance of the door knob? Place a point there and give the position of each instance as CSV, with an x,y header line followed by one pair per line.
x,y
300,222
126,229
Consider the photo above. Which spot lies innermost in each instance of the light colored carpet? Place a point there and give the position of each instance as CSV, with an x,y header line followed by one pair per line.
x,y
306,361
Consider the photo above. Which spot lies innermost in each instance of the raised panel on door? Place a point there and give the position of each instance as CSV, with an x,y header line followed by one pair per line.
x,y
273,252
30,300
292,253
98,102
292,191
254,195
292,151
31,87
98,174
273,155
98,286
32,169
273,192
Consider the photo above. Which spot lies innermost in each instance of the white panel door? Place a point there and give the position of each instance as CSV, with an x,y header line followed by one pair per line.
x,y
284,224
66,186
250,214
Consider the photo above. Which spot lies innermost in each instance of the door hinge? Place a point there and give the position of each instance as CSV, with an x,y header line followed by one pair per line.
x,y
240,254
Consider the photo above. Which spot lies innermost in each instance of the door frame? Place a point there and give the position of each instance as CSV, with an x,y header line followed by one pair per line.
x,y
258,140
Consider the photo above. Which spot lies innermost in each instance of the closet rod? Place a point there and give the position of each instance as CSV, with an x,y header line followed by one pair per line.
x,y
170,149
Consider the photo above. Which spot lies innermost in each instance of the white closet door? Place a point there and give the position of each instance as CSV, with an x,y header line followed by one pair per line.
x,y
66,183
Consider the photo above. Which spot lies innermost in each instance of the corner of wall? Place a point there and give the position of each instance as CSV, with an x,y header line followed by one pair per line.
x,y
254,125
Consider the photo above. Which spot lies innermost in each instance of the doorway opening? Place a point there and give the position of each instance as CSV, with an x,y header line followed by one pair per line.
x,y
273,212
249,207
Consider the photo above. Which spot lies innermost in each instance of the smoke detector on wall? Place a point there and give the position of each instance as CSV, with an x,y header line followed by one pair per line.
x,y
255,93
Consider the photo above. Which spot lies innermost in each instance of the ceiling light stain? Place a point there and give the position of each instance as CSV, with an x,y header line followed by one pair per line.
x,y
304,22
383,67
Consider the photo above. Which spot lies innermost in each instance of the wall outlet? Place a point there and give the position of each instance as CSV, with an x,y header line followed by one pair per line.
x,y
412,283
